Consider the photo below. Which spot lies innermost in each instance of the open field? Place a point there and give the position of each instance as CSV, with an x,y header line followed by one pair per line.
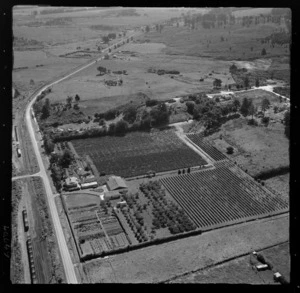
x,y
207,42
138,152
169,260
51,68
251,11
241,271
221,196
257,96
97,97
77,199
80,25
280,183
257,149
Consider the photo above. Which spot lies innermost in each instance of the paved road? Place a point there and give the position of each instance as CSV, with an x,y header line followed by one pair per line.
x,y
65,255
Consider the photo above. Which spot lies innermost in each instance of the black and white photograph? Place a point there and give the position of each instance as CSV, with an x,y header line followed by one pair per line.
x,y
150,145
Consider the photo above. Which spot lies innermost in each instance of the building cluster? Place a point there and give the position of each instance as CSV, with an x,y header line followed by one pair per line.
x,y
114,184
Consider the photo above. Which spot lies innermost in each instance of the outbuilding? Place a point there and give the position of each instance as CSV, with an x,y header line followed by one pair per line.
x,y
92,184
115,183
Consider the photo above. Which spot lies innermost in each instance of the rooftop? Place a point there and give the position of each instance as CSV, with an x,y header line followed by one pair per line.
x,y
115,182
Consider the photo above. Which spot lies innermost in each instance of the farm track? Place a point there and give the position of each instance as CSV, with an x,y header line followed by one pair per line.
x,y
217,197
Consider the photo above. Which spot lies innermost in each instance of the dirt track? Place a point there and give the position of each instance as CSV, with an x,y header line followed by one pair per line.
x,y
167,261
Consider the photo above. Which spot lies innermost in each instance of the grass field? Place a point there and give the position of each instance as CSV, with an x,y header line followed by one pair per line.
x,y
138,152
176,258
183,41
97,97
81,200
257,96
241,271
280,183
257,149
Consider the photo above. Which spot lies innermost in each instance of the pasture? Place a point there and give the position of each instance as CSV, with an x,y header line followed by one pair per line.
x,y
96,97
138,152
234,42
257,96
257,149
177,258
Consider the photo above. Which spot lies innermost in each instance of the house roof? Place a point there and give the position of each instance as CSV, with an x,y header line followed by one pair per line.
x,y
115,182
71,180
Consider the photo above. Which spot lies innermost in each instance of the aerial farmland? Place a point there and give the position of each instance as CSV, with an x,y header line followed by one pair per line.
x,y
151,135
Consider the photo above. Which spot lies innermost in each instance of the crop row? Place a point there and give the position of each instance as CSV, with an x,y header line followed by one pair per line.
x,y
206,147
219,195
140,164
137,153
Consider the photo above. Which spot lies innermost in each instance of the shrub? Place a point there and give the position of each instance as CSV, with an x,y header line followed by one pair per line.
x,y
265,120
151,102
252,122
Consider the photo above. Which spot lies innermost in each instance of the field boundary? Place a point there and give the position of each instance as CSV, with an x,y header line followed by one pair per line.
x,y
222,262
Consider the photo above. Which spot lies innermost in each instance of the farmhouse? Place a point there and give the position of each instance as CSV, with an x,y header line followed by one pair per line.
x,y
115,182
71,183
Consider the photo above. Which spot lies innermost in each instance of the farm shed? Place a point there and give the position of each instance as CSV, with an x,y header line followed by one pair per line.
x,y
89,185
111,195
115,182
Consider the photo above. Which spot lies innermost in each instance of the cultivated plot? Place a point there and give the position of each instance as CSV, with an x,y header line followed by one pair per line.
x,y
222,196
138,152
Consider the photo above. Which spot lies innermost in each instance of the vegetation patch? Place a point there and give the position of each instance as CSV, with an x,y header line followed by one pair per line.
x,y
138,152
215,197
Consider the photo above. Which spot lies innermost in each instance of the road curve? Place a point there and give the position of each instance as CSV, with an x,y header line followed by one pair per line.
x,y
65,255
